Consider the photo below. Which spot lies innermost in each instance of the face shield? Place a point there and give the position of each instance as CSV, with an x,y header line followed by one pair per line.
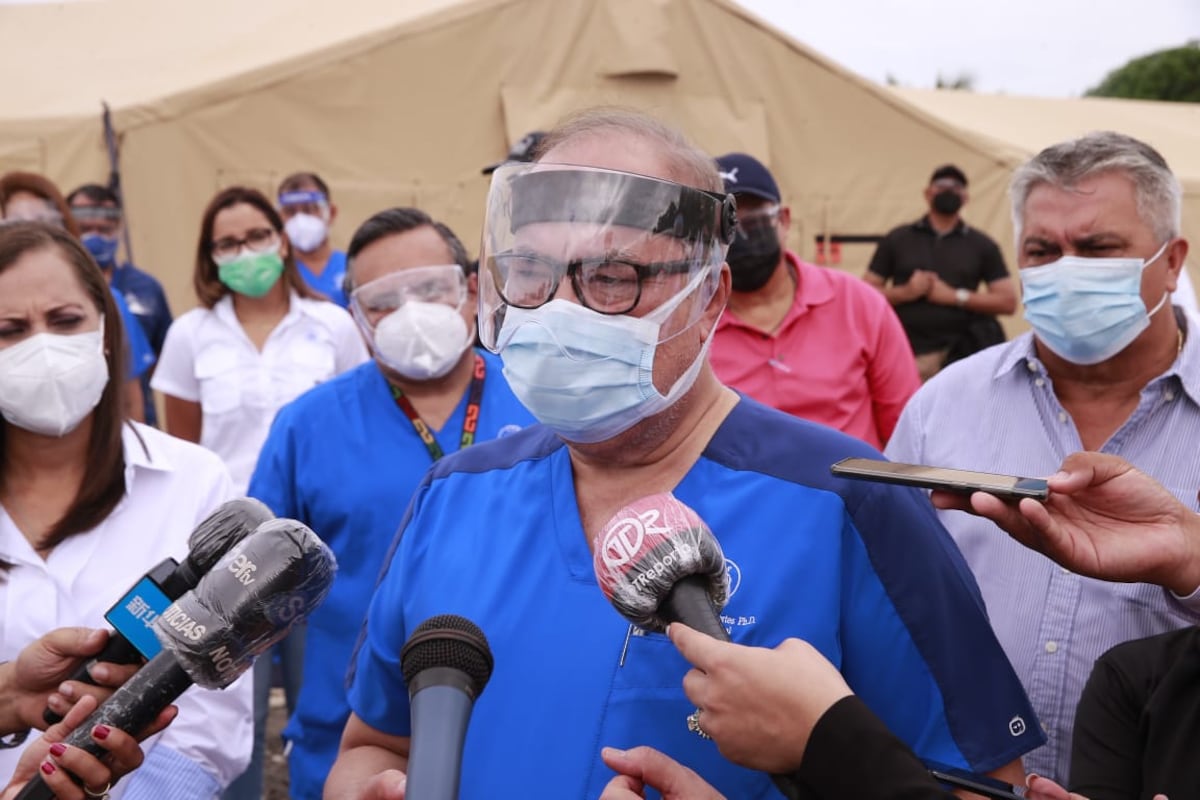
x,y
616,242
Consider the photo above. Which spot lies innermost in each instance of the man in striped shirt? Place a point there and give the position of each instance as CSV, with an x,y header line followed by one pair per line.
x,y
1109,366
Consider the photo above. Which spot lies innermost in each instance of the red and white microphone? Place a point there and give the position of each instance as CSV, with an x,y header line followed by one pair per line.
x,y
657,563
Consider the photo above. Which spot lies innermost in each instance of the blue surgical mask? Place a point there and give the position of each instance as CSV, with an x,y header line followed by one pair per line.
x,y
1087,310
103,248
587,375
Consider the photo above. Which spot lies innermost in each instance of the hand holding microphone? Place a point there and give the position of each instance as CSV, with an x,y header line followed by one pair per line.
x,y
249,600
133,638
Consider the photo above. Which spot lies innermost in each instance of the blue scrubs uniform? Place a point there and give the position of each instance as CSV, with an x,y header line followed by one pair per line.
x,y
862,571
344,459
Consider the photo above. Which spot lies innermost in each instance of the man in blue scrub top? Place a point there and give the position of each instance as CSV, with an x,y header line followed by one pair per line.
x,y
345,457
304,204
602,278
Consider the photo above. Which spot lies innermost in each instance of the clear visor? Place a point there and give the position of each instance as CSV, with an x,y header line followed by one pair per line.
x,y
445,284
615,242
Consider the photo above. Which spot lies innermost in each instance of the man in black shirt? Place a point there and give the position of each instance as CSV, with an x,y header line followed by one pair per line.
x,y
931,270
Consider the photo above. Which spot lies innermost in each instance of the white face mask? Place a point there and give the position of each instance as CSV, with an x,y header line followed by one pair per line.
x,y
306,232
50,382
422,341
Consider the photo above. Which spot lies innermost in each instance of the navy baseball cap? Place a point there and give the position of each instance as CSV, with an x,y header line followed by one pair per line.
x,y
745,174
523,150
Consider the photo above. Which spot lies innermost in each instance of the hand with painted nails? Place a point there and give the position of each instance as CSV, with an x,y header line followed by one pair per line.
x,y
1045,789
72,773
37,677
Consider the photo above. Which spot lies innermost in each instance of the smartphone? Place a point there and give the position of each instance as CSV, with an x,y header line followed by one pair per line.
x,y
953,480
979,784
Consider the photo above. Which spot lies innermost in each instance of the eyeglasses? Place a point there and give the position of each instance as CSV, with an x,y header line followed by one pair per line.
x,y
258,240
607,284
435,284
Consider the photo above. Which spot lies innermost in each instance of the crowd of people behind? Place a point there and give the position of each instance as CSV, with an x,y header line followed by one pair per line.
x,y
635,323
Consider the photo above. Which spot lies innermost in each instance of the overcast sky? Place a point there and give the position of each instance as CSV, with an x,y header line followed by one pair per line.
x,y
1054,48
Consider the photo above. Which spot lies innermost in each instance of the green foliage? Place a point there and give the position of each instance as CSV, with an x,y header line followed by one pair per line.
x,y
1172,74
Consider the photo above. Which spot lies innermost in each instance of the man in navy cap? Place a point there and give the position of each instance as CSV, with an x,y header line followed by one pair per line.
x,y
814,342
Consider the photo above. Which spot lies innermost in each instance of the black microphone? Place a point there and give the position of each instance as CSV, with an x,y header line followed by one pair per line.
x,y
446,663
657,563
131,617
249,600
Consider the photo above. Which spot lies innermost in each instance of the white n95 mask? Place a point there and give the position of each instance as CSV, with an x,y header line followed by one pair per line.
x,y
50,382
421,341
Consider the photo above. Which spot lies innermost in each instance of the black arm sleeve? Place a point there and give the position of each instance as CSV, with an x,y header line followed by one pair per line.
x,y
883,262
1106,750
851,753
993,267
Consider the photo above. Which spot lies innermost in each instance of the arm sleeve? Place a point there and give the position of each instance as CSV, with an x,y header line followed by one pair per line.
x,y
892,373
906,444
917,645
851,753
882,263
162,319
1105,752
375,684
274,478
993,264
176,371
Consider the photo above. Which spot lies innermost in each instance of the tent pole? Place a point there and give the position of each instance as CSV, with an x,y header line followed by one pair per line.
x,y
114,176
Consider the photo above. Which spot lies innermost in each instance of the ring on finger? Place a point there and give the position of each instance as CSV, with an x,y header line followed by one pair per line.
x,y
99,794
693,723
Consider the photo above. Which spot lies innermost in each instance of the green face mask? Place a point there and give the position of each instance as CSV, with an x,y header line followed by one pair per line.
x,y
252,274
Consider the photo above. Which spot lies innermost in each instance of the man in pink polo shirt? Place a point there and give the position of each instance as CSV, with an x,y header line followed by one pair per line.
x,y
816,343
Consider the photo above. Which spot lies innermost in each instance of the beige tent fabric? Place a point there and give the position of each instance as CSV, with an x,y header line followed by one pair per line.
x,y
399,103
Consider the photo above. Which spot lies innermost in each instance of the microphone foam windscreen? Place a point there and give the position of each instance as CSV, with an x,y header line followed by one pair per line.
x,y
646,548
220,530
448,640
249,600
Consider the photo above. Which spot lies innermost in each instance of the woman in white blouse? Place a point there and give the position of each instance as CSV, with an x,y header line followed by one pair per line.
x,y
260,339
89,502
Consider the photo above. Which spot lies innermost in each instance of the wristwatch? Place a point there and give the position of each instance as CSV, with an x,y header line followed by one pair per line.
x,y
961,296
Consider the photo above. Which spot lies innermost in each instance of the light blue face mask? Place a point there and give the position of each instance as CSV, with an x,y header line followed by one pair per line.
x,y
587,375
1087,310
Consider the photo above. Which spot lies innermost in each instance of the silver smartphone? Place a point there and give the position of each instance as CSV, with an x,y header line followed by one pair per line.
x,y
953,480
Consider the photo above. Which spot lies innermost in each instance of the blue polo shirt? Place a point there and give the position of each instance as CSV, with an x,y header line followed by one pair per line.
x,y
344,460
862,571
329,282
146,301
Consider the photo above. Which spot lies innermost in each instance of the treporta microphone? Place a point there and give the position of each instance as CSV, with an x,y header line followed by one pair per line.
x,y
249,600
657,563
446,663
133,615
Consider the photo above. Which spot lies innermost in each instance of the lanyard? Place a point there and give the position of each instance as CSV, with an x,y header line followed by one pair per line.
x,y
470,418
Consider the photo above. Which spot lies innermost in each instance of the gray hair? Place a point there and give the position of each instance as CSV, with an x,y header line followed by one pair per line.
x,y
1065,165
686,163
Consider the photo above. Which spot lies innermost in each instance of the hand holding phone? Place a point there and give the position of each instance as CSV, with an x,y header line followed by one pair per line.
x,y
953,480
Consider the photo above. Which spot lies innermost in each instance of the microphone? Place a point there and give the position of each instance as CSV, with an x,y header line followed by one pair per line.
x,y
249,600
657,563
132,616
446,663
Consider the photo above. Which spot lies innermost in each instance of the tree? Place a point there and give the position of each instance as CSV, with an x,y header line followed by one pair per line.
x,y
1172,74
963,81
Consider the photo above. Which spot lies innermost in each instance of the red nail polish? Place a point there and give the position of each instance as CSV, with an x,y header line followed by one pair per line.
x,y
101,731
57,749
47,768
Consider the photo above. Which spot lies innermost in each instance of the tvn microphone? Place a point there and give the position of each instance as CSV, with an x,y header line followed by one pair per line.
x,y
249,600
446,663
133,615
657,563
